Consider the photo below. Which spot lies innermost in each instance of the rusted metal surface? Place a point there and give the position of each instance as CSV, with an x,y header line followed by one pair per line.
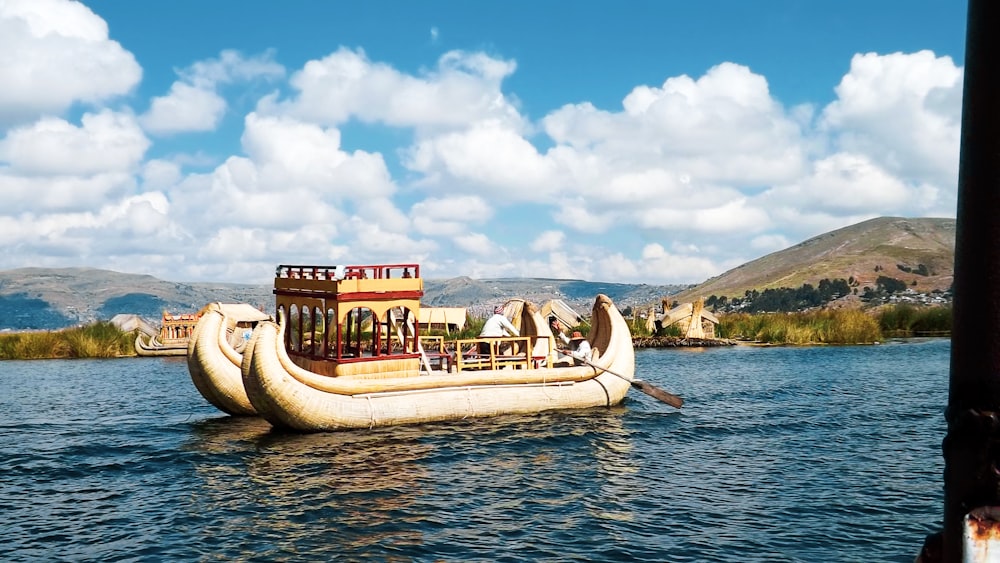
x,y
981,535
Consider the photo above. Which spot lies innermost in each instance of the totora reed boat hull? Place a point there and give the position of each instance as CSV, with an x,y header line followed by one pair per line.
x,y
289,396
152,347
214,364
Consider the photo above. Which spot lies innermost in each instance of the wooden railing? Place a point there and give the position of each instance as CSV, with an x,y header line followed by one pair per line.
x,y
468,355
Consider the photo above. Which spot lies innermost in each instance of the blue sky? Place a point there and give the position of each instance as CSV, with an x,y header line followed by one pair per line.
x,y
638,142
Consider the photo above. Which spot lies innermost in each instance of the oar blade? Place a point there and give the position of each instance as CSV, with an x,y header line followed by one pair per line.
x,y
658,394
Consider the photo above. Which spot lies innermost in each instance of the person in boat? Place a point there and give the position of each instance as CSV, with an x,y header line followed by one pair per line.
x,y
581,350
496,326
557,330
407,274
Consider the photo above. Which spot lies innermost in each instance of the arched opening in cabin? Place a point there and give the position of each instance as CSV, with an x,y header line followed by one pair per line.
x,y
293,334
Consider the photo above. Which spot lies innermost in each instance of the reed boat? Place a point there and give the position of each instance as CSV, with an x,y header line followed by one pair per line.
x,y
214,355
151,346
346,352
173,338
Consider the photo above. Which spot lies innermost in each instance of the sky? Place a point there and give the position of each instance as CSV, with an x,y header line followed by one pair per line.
x,y
658,142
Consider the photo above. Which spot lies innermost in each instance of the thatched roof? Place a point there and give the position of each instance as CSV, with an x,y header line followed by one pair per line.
x,y
691,317
566,315
454,316
243,312
128,323
684,311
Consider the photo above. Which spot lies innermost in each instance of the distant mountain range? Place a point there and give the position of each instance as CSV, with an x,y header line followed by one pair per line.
x,y
52,298
912,250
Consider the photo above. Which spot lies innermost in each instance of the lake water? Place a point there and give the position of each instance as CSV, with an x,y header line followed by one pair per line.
x,y
779,454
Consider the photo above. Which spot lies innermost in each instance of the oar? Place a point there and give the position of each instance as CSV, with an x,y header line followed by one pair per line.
x,y
644,386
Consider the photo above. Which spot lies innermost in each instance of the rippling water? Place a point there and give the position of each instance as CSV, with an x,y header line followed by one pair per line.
x,y
780,454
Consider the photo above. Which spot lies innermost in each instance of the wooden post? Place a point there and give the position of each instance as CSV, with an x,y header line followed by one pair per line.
x,y
972,445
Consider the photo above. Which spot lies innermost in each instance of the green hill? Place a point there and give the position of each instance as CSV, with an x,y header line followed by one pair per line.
x,y
918,252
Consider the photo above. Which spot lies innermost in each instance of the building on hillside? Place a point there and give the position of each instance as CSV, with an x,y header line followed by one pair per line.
x,y
691,318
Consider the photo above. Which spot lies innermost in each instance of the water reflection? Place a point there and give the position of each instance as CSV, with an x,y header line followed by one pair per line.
x,y
413,488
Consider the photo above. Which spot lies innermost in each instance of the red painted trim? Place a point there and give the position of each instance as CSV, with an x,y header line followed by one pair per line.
x,y
352,296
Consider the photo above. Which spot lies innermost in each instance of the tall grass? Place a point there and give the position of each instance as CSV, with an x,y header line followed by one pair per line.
x,y
98,340
842,326
907,320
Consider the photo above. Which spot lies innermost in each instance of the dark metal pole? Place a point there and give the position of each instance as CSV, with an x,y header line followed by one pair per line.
x,y
972,445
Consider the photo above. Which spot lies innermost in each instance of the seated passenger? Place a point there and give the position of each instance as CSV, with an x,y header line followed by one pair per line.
x,y
581,349
496,326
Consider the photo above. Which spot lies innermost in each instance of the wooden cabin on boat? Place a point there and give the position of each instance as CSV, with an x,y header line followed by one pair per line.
x,y
341,318
365,321
177,329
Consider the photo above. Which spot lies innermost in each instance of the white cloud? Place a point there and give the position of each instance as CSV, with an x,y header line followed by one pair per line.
x,y
464,88
288,153
687,178
57,53
657,263
185,108
770,243
548,241
722,127
903,111
846,183
449,216
476,244
488,155
576,216
160,174
104,142
57,166
194,104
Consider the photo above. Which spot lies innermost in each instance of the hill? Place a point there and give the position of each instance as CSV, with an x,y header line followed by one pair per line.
x,y
918,252
52,298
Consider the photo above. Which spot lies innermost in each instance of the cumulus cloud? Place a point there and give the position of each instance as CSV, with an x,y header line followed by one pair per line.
x,y
687,177
194,103
55,165
287,153
57,53
104,142
464,88
548,241
488,155
721,127
477,244
449,216
903,112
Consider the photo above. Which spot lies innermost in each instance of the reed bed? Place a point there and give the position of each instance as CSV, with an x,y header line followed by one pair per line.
x,y
907,320
98,340
842,326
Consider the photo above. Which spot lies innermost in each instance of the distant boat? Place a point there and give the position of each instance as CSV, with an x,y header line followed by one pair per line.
x,y
347,354
151,346
172,340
